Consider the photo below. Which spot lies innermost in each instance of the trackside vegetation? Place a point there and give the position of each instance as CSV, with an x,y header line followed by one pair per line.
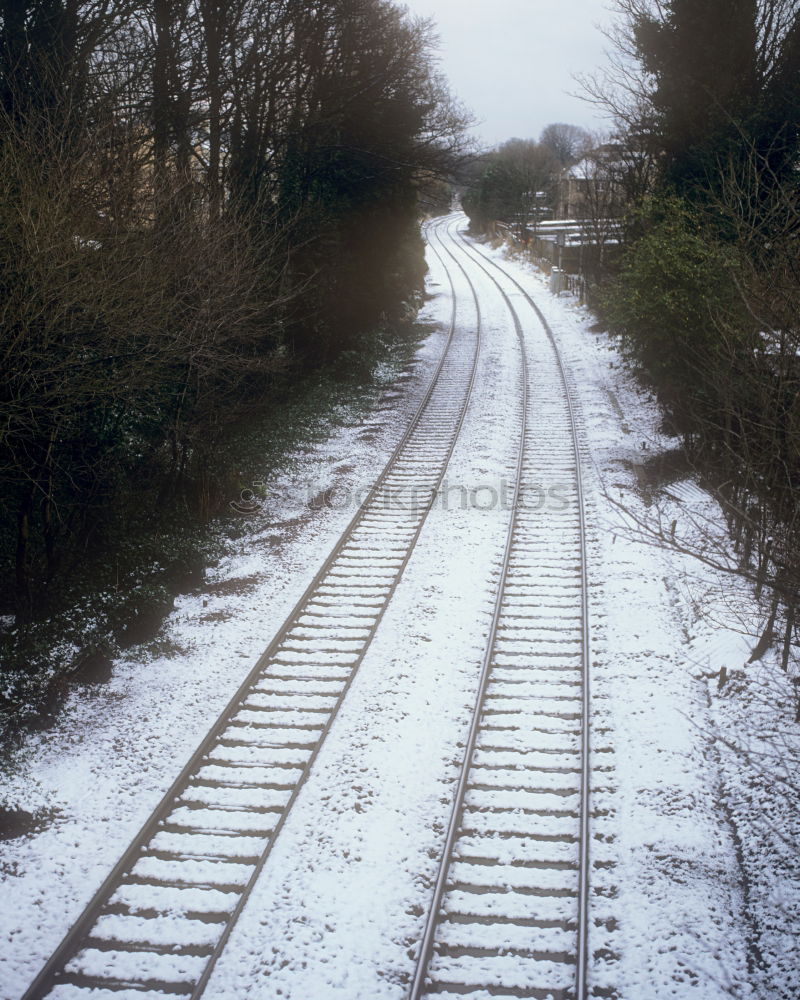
x,y
697,191
208,213
707,297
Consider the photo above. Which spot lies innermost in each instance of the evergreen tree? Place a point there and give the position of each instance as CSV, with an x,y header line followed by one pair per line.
x,y
722,82
701,55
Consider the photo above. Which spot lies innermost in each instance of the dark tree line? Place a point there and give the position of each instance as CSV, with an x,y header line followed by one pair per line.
x,y
709,295
195,196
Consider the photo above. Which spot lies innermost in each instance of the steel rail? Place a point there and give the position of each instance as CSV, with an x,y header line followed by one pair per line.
x,y
75,937
418,986
582,967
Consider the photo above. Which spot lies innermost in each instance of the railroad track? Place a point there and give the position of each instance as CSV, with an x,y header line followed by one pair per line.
x,y
160,921
509,912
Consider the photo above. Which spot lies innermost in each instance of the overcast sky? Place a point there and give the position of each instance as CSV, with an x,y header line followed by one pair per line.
x,y
511,61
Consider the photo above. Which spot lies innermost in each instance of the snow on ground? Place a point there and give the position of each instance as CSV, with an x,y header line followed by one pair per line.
x,y
705,882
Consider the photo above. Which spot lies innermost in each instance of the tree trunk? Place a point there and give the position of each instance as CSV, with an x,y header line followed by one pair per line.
x,y
212,29
24,602
161,106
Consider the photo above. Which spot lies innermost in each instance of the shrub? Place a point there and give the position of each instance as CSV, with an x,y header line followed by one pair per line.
x,y
675,285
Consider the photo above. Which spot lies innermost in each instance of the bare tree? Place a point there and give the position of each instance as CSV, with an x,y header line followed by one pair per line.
x,y
567,143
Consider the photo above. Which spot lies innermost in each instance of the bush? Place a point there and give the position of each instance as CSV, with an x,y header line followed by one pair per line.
x,y
124,352
675,285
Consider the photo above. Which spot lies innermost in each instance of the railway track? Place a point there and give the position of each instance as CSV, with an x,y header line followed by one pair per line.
x,y
159,922
509,912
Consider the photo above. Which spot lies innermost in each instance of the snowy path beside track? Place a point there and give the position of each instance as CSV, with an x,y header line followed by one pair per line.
x,y
340,905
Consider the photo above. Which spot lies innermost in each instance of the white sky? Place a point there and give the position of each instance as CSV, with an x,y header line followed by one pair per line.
x,y
511,61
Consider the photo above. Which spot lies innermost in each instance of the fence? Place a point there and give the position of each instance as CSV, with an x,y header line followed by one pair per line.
x,y
564,278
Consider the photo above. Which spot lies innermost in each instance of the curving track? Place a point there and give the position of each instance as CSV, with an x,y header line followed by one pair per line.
x,y
163,916
509,914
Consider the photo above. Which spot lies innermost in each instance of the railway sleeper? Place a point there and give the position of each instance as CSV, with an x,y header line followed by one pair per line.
x,y
513,796
520,888
256,757
446,990
210,918
248,739
551,977
191,872
254,822
227,799
532,923
86,988
173,973
167,932
511,906
289,732
148,946
530,954
203,780
174,883
550,864
232,846
176,855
